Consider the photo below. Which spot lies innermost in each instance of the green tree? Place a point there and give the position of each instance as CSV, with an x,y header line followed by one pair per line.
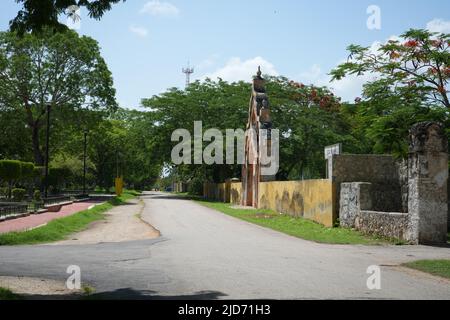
x,y
62,70
38,14
308,118
411,85
416,65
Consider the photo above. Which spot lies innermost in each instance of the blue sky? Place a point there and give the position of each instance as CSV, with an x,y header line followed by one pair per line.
x,y
147,42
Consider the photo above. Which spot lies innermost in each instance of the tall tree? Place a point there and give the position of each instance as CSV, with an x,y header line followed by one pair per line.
x,y
62,70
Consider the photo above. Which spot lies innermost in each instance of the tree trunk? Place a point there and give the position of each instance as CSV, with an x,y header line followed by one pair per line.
x,y
38,157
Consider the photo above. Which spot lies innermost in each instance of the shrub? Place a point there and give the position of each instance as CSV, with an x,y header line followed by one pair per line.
x,y
38,172
27,170
3,192
18,194
10,170
195,186
57,177
37,196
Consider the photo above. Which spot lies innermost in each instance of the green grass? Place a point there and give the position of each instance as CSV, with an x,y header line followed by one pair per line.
x,y
298,227
439,268
6,294
59,229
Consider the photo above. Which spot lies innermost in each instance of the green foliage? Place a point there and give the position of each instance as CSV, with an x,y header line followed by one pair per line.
x,y
195,186
3,192
18,194
38,172
10,170
64,68
411,86
27,170
37,196
439,268
308,118
415,67
57,177
6,294
37,14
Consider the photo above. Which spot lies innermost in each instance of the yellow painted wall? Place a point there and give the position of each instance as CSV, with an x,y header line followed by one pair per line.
x,y
310,199
236,193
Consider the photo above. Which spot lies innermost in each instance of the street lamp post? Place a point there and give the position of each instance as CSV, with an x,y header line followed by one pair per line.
x,y
84,161
47,151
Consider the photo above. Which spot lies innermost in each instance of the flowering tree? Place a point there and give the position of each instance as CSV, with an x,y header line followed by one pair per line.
x,y
416,64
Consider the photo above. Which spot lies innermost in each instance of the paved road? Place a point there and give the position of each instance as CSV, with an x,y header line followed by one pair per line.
x,y
205,254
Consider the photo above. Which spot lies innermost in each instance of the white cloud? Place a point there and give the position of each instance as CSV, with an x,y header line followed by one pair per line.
x,y
208,62
348,88
140,31
157,8
439,25
236,69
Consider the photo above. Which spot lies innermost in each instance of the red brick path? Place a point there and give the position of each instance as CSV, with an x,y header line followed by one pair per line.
x,y
35,220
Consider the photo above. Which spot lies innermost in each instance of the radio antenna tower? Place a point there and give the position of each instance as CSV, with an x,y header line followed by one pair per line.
x,y
188,71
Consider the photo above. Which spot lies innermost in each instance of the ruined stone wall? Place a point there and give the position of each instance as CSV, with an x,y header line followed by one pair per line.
x,y
354,197
385,224
381,171
428,179
366,206
356,211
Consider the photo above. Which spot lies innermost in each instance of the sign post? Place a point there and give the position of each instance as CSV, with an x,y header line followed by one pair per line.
x,y
330,151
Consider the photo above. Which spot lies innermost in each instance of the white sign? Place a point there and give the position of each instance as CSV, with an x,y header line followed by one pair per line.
x,y
332,150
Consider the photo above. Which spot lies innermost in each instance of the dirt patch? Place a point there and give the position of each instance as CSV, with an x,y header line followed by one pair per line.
x,y
34,288
122,223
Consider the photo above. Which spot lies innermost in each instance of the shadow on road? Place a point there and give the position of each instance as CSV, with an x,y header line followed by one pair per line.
x,y
130,294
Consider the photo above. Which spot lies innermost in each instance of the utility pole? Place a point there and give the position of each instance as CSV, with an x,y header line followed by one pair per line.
x,y
47,151
188,71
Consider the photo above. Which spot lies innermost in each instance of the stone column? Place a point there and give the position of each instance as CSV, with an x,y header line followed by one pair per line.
x,y
427,183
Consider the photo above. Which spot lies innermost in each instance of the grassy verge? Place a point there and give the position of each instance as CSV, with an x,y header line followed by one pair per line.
x,y
298,227
6,294
435,267
59,229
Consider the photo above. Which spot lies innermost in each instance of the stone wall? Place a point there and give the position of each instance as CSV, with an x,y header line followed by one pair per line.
x,y
381,171
354,197
357,201
367,206
428,178
386,224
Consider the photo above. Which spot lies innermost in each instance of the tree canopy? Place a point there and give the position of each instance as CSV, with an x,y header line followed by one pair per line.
x,y
62,70
37,15
410,84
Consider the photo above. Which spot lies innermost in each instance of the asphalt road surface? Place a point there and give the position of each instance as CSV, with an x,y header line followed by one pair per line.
x,y
204,254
